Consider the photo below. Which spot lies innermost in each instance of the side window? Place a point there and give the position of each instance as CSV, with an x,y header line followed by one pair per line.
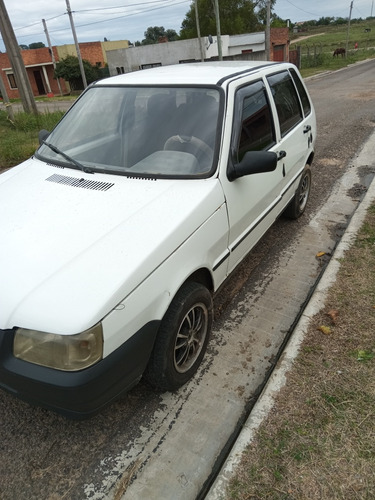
x,y
302,92
256,130
286,99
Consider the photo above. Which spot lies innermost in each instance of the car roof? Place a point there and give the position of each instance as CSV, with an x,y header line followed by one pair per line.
x,y
201,73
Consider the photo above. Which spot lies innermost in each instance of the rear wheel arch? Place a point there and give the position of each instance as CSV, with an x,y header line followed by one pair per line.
x,y
310,159
299,201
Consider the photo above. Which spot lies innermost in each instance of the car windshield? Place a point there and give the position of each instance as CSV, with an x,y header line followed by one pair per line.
x,y
155,131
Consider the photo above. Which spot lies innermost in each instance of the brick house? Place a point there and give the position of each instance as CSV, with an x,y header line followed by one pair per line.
x,y
39,69
39,66
279,50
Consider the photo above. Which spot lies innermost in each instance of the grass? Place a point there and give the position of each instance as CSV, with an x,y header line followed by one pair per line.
x,y
319,440
332,37
47,99
69,97
312,65
19,139
318,44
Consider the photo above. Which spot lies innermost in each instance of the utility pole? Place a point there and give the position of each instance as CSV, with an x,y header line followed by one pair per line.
x,y
198,29
347,34
14,54
76,44
218,32
7,103
51,51
268,32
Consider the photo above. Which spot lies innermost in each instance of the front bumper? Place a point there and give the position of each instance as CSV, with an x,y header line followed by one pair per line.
x,y
77,394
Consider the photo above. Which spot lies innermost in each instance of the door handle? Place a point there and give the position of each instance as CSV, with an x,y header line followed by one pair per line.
x,y
307,129
281,155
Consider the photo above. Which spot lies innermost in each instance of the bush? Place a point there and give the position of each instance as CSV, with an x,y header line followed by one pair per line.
x,y
68,69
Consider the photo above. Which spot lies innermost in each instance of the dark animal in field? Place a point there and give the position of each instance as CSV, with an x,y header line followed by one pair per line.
x,y
337,52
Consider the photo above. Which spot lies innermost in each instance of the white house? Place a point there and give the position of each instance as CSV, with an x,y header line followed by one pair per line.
x,y
246,46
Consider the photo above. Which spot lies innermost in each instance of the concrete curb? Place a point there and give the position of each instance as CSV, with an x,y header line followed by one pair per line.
x,y
285,363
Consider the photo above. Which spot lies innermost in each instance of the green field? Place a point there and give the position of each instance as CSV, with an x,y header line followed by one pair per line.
x,y
331,37
318,43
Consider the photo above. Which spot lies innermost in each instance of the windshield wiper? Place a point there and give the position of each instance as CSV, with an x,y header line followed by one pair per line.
x,y
67,157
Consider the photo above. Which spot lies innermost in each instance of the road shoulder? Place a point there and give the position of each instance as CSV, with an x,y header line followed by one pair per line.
x,y
278,378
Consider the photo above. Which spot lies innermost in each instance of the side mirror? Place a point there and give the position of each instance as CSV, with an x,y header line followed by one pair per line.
x,y
253,162
43,134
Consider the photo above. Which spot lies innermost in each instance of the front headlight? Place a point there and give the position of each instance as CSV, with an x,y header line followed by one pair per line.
x,y
62,352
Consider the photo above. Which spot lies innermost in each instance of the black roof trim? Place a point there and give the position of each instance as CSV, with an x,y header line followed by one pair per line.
x,y
245,71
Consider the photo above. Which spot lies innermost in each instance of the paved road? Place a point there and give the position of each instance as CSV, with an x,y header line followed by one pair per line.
x,y
156,446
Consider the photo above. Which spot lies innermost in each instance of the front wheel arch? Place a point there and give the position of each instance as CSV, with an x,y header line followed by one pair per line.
x,y
182,338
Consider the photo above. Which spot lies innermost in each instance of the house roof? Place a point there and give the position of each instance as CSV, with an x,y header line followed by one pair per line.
x,y
247,39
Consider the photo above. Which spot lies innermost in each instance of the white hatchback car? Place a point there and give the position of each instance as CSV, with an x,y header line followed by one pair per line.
x,y
131,214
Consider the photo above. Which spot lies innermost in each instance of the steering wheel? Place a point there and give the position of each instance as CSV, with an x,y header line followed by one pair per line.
x,y
191,144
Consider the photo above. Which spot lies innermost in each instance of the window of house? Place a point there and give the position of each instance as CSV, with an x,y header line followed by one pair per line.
x,y
286,99
256,131
12,81
151,65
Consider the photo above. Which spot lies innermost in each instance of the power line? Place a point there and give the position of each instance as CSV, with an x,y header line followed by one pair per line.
x,y
299,8
171,3
306,11
38,22
126,6
131,14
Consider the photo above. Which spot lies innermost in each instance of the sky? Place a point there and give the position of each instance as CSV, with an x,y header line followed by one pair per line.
x,y
95,20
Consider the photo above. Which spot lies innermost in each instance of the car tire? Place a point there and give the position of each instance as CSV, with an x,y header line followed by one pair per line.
x,y
298,204
182,338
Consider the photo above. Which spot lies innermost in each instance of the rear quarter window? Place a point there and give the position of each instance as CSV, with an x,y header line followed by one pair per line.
x,y
302,92
286,100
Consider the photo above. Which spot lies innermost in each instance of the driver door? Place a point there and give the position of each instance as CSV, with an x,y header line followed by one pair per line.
x,y
252,200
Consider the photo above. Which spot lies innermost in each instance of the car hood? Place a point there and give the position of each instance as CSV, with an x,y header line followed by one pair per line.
x,y
73,245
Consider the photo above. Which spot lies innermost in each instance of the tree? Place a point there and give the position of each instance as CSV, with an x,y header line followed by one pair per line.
x,y
341,20
36,45
261,6
325,21
154,34
236,17
171,35
277,22
68,68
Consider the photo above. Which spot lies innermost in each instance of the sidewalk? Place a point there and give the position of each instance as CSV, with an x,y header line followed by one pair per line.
x,y
278,379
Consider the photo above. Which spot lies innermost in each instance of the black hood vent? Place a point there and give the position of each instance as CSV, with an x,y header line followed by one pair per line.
x,y
56,166
80,183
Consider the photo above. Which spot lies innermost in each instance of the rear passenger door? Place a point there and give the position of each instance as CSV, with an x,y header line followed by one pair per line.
x,y
292,109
